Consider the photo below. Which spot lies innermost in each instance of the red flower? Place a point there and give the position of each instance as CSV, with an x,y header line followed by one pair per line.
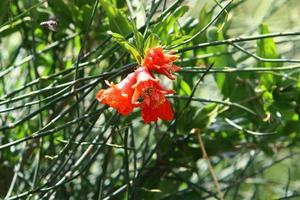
x,y
153,103
142,89
119,96
156,60
156,106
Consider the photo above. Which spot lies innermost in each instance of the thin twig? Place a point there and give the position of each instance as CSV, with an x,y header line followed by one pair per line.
x,y
238,39
196,131
238,70
205,27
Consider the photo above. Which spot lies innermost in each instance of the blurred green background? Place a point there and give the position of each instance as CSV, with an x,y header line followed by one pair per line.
x,y
58,142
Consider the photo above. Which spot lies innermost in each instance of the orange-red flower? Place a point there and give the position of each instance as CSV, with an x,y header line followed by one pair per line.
x,y
151,94
156,106
160,62
142,89
119,96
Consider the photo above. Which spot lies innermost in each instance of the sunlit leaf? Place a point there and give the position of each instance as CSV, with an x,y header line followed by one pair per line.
x,y
117,20
151,41
124,43
225,82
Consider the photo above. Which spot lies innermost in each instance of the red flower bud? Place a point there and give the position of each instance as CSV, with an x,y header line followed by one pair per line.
x,y
156,60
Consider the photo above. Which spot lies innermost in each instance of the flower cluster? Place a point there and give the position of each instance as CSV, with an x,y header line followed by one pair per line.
x,y
142,89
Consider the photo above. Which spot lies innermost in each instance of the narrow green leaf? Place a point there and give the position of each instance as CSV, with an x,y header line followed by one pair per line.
x,y
131,48
138,39
266,48
224,82
169,26
117,20
204,18
185,89
151,41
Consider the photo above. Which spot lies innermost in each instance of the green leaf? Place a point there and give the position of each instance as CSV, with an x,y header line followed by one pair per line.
x,y
225,82
151,41
117,20
139,39
266,48
169,28
204,18
185,89
131,48
205,116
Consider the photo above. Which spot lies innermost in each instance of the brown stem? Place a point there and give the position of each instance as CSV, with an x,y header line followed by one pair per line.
x,y
210,168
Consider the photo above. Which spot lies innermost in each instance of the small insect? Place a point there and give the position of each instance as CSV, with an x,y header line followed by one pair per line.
x,y
51,24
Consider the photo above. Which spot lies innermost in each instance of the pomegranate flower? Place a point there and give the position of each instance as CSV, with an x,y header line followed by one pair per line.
x,y
119,96
156,60
156,106
142,89
151,94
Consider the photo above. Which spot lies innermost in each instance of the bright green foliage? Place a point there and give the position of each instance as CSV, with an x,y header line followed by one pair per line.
x,y
169,28
129,47
58,142
117,20
266,48
225,81
151,41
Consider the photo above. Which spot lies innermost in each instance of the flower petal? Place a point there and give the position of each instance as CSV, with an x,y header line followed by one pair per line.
x,y
149,115
165,111
160,62
119,96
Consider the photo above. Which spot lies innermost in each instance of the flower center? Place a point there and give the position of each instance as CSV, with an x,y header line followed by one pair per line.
x,y
147,92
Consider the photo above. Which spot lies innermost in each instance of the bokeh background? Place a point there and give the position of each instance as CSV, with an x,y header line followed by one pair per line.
x,y
58,142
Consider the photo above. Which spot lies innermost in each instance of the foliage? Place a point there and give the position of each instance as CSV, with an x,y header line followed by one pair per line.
x,y
57,141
